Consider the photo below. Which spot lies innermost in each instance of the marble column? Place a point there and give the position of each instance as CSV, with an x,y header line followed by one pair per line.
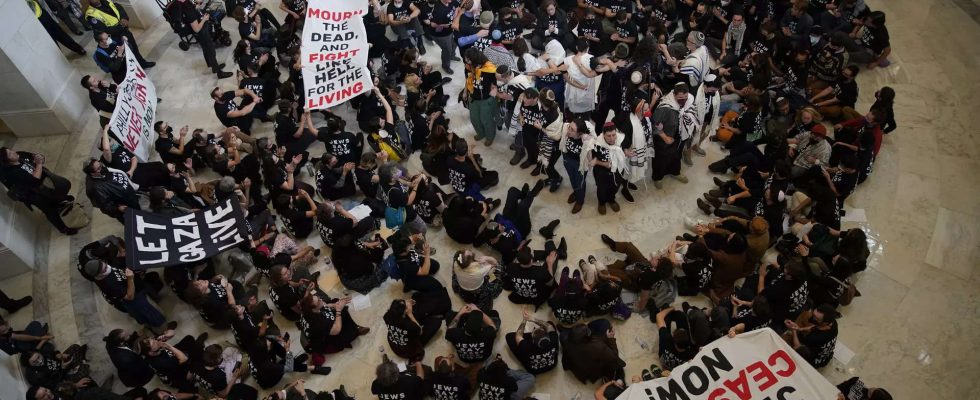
x,y
142,13
39,89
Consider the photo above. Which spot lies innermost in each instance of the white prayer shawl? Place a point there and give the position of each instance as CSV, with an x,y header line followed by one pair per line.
x,y
555,52
688,119
552,134
617,158
701,101
515,126
579,100
695,66
642,150
588,143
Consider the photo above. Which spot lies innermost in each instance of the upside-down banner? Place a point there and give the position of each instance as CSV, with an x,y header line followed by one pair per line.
x,y
136,105
335,52
154,240
757,365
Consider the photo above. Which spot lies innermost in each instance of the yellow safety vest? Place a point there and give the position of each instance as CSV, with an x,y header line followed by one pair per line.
x,y
107,19
36,7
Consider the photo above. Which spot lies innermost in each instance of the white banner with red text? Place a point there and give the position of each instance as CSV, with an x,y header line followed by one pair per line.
x,y
756,365
334,52
136,107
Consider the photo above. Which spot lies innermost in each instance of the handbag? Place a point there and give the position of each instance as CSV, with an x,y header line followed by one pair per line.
x,y
620,311
73,215
394,217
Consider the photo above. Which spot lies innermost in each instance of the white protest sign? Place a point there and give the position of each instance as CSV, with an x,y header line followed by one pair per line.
x,y
136,104
756,365
334,52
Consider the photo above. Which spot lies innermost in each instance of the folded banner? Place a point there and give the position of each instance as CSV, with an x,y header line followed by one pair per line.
x,y
335,52
136,105
155,240
755,365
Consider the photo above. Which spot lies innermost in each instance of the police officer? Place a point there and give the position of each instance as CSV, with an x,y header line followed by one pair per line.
x,y
106,16
54,30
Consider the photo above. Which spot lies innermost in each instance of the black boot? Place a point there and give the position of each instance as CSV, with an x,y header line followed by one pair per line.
x,y
608,241
537,188
549,230
562,249
719,166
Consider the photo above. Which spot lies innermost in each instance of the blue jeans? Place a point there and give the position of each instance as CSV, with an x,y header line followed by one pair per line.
x,y
576,179
142,311
525,382
473,190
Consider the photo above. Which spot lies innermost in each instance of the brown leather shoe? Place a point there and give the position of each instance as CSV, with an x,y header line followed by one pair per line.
x,y
602,209
576,208
571,198
614,206
363,330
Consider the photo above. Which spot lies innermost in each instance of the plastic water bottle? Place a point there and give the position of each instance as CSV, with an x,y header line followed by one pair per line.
x,y
643,343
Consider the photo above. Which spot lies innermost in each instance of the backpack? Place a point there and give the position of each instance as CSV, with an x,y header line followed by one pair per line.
x,y
391,267
850,291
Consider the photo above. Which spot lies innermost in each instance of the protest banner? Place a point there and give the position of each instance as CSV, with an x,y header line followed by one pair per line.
x,y
756,365
334,52
136,104
155,240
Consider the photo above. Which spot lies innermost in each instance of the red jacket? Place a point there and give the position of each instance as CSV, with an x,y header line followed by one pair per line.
x,y
858,123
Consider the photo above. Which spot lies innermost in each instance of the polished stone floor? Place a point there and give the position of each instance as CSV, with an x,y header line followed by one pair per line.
x,y
913,331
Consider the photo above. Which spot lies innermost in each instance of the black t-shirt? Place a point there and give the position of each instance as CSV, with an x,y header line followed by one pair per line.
x,y
246,28
397,197
619,5
471,349
495,389
854,389
105,99
409,264
408,387
568,309
399,12
591,28
449,387
258,86
163,145
213,380
462,174
573,149
535,359
846,93
285,297
788,297
627,29
751,321
529,285
285,127
246,330
670,357
345,146
822,344
403,334
167,367
114,286
531,115
875,38
297,222
363,179
844,182
215,303
228,105
333,228
443,15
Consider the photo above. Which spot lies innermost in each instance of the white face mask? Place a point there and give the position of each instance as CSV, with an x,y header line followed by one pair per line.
x,y
814,40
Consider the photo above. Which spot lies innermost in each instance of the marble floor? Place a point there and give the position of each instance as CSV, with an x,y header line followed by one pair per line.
x,y
912,332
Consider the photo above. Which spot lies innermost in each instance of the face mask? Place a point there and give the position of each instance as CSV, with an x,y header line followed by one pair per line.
x,y
113,147
170,130
814,40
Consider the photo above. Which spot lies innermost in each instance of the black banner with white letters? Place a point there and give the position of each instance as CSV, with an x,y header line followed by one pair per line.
x,y
154,241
